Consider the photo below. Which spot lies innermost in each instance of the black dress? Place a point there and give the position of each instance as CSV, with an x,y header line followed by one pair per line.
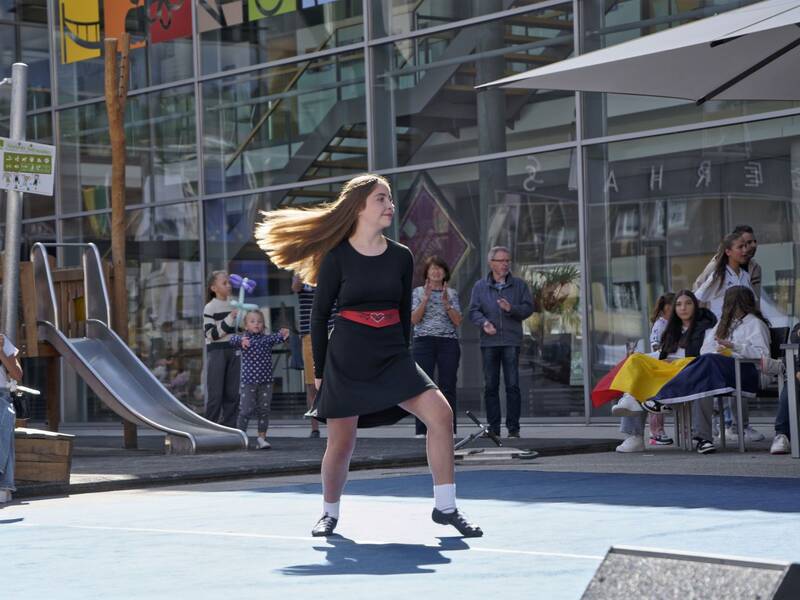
x,y
365,371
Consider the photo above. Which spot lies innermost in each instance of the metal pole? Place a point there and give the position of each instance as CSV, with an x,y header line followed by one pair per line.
x,y
8,324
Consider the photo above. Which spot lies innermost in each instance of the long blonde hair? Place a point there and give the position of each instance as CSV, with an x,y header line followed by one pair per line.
x,y
299,238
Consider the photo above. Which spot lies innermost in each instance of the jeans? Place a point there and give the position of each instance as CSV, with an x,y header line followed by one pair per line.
x,y
493,358
782,418
7,422
441,354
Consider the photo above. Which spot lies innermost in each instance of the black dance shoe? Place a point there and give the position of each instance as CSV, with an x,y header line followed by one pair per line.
x,y
324,526
457,520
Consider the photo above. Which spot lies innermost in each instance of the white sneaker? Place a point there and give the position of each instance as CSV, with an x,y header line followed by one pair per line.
x,y
422,436
632,443
780,445
262,444
627,406
5,495
753,435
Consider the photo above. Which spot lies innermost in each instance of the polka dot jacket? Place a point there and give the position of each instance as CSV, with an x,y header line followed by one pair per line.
x,y
257,359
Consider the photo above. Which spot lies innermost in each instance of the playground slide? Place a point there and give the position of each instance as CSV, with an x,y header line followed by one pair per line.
x,y
128,388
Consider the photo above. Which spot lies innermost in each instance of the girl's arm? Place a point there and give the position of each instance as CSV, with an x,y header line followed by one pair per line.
x,y
405,301
754,340
329,279
709,341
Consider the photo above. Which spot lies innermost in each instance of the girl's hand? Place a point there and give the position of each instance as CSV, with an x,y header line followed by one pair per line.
x,y
284,333
725,343
245,343
317,383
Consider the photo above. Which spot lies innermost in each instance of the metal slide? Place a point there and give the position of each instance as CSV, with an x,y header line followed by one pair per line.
x,y
113,371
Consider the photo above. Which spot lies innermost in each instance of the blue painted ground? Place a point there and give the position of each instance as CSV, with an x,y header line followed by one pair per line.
x,y
545,536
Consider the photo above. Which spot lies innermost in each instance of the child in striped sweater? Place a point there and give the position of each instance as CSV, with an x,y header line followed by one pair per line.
x,y
222,368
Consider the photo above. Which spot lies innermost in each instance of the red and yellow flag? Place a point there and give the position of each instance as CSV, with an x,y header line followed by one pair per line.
x,y
640,375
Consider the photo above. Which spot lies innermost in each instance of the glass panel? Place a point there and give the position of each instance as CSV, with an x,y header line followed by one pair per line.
x,y
164,280
396,17
230,246
605,24
40,130
658,208
31,11
165,296
161,48
528,204
430,111
36,54
270,30
284,124
8,55
161,152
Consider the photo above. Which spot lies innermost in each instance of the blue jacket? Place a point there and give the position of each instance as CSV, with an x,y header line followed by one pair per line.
x,y
483,306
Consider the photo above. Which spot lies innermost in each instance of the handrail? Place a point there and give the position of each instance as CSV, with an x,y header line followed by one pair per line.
x,y
98,306
257,127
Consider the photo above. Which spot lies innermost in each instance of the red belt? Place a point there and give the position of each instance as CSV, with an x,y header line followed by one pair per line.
x,y
372,318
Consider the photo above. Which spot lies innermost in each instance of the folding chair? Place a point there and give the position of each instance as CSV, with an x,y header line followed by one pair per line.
x,y
778,337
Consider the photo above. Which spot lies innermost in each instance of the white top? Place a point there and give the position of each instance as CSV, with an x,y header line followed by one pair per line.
x,y
714,294
9,349
750,338
657,332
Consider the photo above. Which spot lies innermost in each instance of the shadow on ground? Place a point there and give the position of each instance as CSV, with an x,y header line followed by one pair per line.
x,y
344,556
779,495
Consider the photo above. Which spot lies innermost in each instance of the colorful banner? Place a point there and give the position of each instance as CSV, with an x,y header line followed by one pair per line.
x,y
120,16
427,228
169,19
80,30
216,14
156,20
260,9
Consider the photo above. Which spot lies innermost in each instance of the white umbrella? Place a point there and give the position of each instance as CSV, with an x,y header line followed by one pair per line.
x,y
751,53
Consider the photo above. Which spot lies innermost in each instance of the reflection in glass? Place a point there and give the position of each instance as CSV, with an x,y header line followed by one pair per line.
x,y
270,30
658,207
161,162
461,212
430,110
607,24
165,285
230,246
290,123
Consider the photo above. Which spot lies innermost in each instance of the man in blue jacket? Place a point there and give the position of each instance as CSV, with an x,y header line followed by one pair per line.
x,y
499,304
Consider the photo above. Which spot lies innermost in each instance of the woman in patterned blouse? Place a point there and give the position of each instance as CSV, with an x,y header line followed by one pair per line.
x,y
436,315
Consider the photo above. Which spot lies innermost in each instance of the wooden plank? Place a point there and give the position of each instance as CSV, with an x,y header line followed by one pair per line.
x,y
44,447
51,472
41,458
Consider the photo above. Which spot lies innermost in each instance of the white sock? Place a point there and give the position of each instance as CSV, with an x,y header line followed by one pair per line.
x,y
444,497
331,509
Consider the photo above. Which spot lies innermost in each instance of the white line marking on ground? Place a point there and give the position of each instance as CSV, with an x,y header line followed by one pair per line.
x,y
266,536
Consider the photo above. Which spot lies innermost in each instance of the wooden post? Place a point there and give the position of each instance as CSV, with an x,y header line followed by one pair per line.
x,y
116,88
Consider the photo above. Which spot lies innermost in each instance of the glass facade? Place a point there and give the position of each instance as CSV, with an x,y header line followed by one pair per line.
x,y
237,106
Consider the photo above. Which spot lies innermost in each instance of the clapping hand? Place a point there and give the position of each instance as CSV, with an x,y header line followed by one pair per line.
x,y
427,290
504,305
245,342
489,328
284,333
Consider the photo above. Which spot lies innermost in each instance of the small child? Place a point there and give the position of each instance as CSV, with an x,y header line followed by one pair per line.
x,y
659,320
256,386
222,368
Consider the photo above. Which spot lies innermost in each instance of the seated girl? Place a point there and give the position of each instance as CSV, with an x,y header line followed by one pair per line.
x,y
743,332
641,375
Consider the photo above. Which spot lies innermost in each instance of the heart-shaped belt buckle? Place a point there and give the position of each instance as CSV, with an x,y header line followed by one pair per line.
x,y
377,317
